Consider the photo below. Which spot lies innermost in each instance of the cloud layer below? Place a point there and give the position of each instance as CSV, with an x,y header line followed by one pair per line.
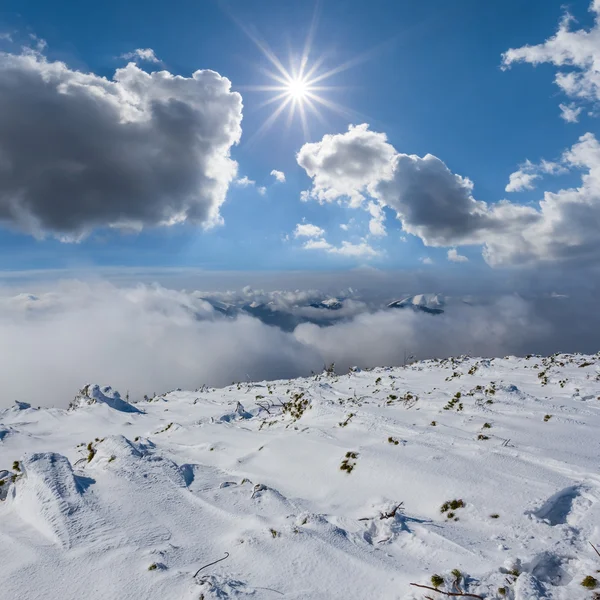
x,y
148,339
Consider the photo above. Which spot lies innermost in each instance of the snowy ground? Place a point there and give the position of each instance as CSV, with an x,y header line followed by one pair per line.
x,y
114,500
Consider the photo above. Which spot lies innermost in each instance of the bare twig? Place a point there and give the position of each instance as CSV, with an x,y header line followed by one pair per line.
x,y
595,549
271,590
464,594
211,564
382,516
392,513
263,407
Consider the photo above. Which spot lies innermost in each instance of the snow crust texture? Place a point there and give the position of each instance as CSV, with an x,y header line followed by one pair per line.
x,y
482,472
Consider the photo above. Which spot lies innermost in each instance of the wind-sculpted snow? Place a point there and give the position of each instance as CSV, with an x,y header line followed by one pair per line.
x,y
336,486
91,394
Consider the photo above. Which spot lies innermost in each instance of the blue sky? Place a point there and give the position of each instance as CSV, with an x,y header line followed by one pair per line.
x,y
427,74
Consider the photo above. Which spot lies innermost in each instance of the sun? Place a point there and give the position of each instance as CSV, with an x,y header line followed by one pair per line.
x,y
297,89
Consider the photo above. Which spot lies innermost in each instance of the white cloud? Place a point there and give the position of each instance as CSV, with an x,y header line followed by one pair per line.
x,y
319,244
346,165
244,181
570,112
6,36
376,224
146,339
523,179
578,50
454,256
308,230
138,150
438,206
146,54
279,175
360,250
528,173
426,260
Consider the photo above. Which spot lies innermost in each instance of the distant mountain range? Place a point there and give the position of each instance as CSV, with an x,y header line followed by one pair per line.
x,y
429,303
323,312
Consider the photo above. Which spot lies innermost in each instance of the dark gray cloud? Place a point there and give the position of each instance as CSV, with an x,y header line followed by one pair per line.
x,y
78,151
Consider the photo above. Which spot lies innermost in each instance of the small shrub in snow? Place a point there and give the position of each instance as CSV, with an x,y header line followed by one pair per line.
x,y
502,591
589,582
394,441
495,516
436,581
91,451
451,505
486,426
433,423
547,418
153,567
349,462
482,437
297,406
274,533
348,419
16,466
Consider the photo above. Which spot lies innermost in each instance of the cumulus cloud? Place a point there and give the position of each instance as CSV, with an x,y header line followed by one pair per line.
x,y
454,256
426,260
148,339
308,230
146,54
577,50
346,165
279,175
439,207
80,151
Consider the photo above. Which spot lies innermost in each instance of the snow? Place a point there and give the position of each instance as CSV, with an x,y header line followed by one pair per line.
x,y
113,499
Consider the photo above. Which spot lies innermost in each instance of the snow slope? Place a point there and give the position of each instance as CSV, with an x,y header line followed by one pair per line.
x,y
329,487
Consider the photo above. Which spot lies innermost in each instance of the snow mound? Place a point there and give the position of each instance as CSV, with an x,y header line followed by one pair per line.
x,y
93,394
49,497
116,447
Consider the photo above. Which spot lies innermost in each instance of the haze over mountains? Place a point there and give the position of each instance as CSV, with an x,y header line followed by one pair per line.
x,y
149,338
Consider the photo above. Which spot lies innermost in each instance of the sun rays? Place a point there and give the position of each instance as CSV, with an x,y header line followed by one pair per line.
x,y
298,90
